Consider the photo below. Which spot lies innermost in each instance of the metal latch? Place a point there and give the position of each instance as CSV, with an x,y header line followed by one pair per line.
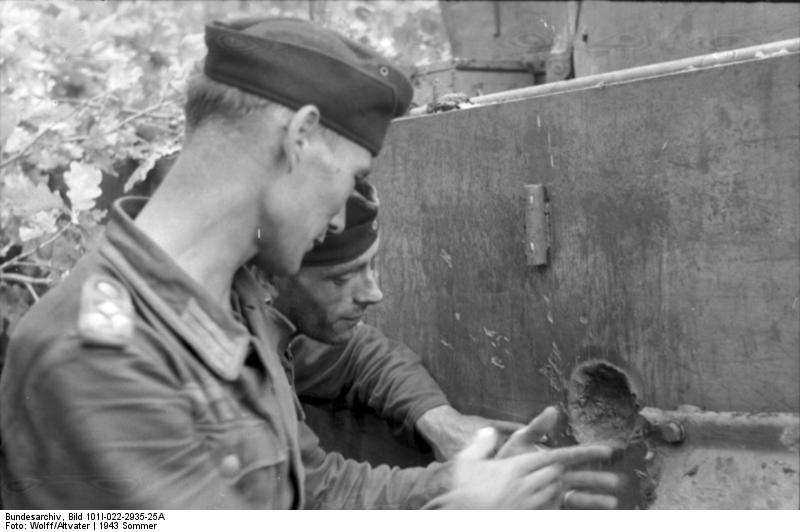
x,y
538,236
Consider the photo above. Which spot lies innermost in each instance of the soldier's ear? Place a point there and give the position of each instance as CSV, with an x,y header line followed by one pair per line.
x,y
303,124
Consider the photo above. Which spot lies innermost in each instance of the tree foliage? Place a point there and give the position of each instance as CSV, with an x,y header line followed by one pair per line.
x,y
91,97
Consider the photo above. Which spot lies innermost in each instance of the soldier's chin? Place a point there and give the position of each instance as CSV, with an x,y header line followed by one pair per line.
x,y
341,336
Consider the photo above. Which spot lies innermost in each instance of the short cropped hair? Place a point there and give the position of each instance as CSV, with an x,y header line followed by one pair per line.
x,y
206,98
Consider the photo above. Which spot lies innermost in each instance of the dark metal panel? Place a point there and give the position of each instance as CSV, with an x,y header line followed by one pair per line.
x,y
675,215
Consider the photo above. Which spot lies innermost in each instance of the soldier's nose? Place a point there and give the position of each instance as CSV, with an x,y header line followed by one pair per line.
x,y
370,293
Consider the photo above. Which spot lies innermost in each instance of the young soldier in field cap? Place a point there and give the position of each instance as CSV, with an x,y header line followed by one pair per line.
x,y
153,376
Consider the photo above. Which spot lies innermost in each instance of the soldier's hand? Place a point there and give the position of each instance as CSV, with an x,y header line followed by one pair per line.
x,y
480,482
581,489
530,437
526,481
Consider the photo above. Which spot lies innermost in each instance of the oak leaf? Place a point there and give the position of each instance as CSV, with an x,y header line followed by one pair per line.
x,y
83,181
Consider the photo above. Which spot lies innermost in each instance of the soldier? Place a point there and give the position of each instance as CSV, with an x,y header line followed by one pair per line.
x,y
337,357
153,376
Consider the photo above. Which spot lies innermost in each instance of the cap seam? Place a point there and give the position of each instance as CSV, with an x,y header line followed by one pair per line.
x,y
315,50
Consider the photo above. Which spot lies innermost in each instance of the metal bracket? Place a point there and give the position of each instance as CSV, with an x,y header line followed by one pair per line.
x,y
538,235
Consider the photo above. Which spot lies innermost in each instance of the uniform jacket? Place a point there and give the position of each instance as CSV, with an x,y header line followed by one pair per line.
x,y
127,386
370,370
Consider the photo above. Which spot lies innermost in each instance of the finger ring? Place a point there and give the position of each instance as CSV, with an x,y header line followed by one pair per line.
x,y
565,499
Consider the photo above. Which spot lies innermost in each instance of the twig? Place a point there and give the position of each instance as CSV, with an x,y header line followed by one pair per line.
x,y
79,138
18,258
126,110
23,279
32,292
161,128
157,116
138,114
135,116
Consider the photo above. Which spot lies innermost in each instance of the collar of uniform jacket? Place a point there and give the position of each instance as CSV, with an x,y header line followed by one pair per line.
x,y
211,329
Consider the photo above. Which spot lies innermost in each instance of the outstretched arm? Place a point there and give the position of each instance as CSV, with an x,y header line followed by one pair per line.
x,y
448,431
389,378
473,480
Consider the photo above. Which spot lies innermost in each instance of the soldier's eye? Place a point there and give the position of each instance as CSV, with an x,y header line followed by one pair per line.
x,y
341,280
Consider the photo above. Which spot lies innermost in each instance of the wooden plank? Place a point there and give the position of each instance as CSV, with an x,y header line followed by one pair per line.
x,y
676,224
523,31
617,35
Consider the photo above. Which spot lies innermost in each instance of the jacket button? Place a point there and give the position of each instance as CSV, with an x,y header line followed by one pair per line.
x,y
230,465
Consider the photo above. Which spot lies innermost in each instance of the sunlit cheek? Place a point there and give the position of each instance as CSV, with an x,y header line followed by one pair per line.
x,y
335,194
336,305
344,193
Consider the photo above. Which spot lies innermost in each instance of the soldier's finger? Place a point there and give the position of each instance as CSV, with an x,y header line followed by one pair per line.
x,y
581,500
529,435
481,447
541,424
567,456
507,427
592,481
577,455
541,478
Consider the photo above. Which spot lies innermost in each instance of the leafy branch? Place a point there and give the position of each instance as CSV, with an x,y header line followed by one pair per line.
x,y
50,127
30,145
126,110
118,126
16,261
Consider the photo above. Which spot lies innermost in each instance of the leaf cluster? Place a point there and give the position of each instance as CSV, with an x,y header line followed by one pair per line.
x,y
91,98
84,85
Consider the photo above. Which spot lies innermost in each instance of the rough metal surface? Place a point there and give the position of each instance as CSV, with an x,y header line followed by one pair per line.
x,y
727,461
676,226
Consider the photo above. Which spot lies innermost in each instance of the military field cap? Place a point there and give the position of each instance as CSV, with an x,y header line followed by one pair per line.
x,y
360,231
295,62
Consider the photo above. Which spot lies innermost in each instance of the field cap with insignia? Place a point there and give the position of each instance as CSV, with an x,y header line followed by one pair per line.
x,y
294,62
360,231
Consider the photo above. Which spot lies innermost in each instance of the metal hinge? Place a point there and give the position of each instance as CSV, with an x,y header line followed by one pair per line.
x,y
538,232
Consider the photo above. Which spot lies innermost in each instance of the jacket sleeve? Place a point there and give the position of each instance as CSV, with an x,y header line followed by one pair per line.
x,y
369,370
333,482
